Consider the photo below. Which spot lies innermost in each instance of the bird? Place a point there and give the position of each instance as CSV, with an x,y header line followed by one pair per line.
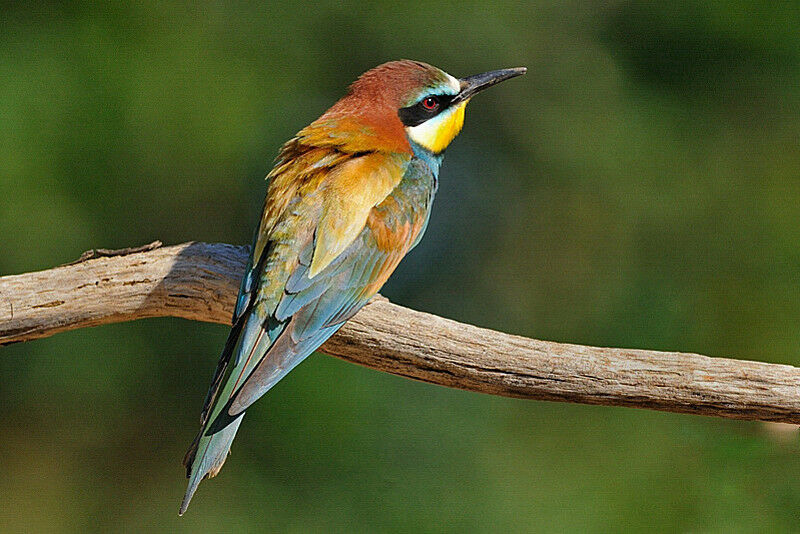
x,y
349,196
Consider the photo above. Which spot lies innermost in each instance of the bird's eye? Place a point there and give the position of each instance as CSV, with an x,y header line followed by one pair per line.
x,y
430,103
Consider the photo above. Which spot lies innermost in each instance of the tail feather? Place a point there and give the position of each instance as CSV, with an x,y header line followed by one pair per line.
x,y
211,446
206,456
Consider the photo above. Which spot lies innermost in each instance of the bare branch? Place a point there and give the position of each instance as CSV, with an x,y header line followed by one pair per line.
x,y
199,281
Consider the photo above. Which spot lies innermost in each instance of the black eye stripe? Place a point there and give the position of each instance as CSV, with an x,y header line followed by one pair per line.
x,y
418,113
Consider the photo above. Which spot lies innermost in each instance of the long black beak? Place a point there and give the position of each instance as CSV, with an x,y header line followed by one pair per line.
x,y
478,82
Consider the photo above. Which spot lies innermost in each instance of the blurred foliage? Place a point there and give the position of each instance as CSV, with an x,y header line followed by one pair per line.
x,y
639,187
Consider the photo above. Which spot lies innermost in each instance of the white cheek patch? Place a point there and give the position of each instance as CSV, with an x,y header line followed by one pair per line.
x,y
425,133
454,84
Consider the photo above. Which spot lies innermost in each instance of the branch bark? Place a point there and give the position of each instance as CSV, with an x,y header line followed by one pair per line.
x,y
199,281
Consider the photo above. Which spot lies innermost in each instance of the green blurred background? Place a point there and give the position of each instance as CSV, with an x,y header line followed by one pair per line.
x,y
640,187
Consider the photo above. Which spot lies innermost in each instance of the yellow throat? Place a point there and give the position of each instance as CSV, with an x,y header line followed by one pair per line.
x,y
436,133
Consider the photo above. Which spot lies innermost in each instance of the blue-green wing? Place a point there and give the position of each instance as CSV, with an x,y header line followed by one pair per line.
x,y
286,310
274,338
311,310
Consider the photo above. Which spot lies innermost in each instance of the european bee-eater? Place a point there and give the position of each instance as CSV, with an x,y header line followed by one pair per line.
x,y
349,196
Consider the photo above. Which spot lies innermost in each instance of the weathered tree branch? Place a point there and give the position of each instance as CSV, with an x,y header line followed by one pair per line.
x,y
199,281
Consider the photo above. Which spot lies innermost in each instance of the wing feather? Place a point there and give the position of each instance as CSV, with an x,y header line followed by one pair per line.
x,y
307,272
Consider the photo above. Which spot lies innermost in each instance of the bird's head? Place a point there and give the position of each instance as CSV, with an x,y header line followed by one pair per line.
x,y
409,106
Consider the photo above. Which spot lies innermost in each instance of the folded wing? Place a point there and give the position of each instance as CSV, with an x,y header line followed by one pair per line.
x,y
319,255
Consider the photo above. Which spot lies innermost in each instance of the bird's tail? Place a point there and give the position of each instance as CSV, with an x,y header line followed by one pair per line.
x,y
212,444
206,456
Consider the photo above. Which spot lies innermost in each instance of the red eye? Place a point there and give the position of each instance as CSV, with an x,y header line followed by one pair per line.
x,y
430,103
